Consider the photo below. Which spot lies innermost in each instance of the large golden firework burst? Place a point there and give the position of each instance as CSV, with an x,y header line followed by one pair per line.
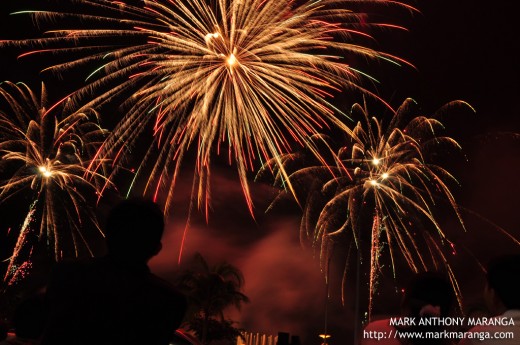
x,y
251,77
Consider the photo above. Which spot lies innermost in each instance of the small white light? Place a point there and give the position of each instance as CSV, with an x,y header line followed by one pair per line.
x,y
209,36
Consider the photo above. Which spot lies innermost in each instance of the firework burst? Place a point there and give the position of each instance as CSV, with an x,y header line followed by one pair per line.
x,y
44,157
249,77
378,193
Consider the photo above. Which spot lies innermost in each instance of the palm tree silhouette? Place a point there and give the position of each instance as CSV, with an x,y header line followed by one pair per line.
x,y
210,290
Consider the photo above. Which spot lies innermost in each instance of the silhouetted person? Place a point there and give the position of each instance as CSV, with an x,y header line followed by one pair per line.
x,y
4,329
116,299
502,294
28,322
427,295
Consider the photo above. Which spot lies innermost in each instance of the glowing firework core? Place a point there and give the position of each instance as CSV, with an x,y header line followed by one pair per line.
x,y
45,172
384,176
375,161
217,43
231,60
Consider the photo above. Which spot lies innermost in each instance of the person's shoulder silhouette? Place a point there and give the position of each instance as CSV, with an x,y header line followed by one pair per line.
x,y
116,299
427,295
502,294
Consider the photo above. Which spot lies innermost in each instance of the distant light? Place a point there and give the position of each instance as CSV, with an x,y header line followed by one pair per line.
x,y
209,36
375,161
384,176
324,336
373,182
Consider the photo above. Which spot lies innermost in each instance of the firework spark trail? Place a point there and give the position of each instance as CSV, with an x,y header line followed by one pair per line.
x,y
375,252
45,156
249,76
379,179
14,269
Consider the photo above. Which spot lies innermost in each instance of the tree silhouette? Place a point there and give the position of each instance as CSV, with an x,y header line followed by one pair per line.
x,y
210,290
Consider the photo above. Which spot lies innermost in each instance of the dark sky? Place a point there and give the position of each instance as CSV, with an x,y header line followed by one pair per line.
x,y
461,50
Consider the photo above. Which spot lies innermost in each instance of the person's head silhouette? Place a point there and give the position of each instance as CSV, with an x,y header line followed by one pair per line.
x,y
29,318
134,229
503,283
428,294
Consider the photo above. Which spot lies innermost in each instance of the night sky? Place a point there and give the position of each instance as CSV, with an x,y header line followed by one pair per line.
x,y
461,50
